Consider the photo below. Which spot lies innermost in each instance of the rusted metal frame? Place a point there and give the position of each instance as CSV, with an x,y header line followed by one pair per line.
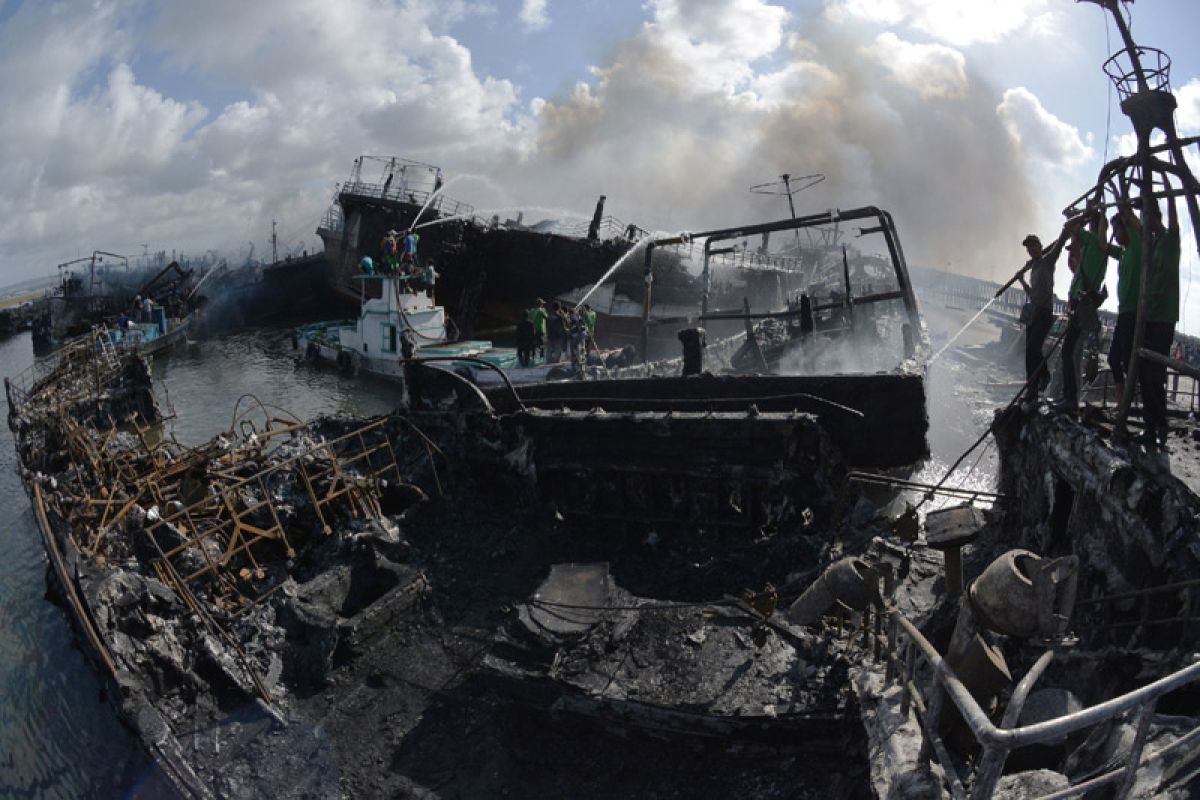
x,y
368,451
216,569
233,535
275,516
210,623
316,504
348,487
171,578
251,602
194,537
296,460
100,530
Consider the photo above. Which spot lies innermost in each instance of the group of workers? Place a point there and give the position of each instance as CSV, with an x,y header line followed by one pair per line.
x,y
398,256
1087,240
556,333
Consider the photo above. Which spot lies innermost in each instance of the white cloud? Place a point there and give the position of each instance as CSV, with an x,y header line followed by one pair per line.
x,y
718,40
706,98
533,15
933,70
1042,136
98,158
954,21
1187,115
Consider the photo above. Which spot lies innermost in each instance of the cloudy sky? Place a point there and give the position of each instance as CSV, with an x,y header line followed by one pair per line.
x,y
177,124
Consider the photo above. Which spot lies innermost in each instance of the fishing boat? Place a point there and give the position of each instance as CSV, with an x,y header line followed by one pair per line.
x,y
147,337
375,343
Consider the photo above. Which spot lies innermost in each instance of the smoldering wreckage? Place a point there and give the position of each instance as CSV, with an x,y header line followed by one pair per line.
x,y
468,599
638,586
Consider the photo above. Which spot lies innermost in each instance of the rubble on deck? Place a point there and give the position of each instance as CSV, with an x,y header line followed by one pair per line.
x,y
336,607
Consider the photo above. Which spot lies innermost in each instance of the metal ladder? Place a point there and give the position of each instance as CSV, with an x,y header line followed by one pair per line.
x,y
107,351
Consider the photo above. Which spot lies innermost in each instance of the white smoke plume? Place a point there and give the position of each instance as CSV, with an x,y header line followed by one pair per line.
x,y
679,125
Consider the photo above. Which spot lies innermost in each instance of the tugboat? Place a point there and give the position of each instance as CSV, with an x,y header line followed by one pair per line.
x,y
403,323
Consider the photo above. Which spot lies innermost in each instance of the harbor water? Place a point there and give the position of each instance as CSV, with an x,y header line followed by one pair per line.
x,y
59,736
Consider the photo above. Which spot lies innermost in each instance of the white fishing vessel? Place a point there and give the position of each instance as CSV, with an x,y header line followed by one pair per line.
x,y
375,342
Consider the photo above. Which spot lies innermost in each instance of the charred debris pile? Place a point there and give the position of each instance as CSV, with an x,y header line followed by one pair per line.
x,y
241,593
561,599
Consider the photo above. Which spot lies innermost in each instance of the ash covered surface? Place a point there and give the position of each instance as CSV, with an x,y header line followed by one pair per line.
x,y
301,610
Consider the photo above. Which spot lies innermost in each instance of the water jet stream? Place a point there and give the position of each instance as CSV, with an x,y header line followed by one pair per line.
x,y
961,330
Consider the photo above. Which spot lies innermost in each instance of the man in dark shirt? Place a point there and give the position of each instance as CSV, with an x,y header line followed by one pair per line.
x,y
556,334
1040,292
525,341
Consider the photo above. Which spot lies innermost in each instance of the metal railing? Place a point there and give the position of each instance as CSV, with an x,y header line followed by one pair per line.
x,y
27,382
909,658
441,204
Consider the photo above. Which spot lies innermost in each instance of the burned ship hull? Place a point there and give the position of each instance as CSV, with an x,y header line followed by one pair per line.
x,y
874,420
242,596
488,273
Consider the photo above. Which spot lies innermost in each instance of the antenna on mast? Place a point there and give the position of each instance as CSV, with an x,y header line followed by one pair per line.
x,y
787,185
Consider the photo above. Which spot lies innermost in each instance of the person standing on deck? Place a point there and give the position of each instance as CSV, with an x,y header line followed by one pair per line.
x,y
537,315
388,254
408,258
1162,312
1040,291
576,336
589,321
525,341
1128,236
556,334
1083,300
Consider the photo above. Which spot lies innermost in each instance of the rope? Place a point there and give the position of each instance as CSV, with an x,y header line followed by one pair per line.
x,y
1108,114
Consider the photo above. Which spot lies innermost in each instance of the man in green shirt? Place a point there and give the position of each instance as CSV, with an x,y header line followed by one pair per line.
x,y
1127,232
1083,298
1162,312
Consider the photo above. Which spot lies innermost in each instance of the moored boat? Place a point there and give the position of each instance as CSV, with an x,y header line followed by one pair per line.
x,y
404,324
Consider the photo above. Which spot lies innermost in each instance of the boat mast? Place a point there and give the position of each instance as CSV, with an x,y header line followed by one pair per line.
x,y
784,186
1142,79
